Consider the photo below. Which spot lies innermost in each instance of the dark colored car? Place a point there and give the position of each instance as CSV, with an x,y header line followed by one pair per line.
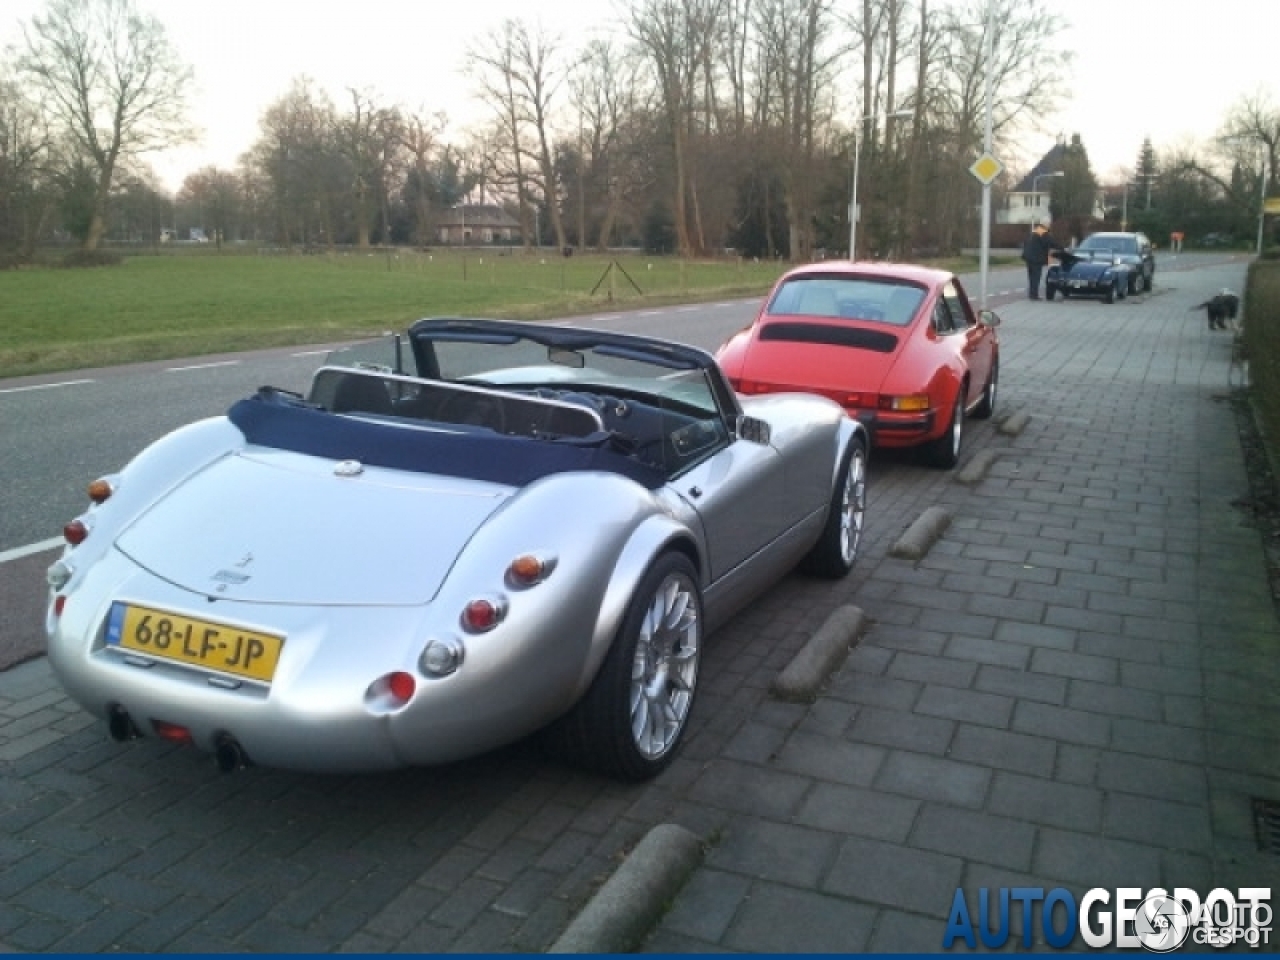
x,y
1087,275
1132,249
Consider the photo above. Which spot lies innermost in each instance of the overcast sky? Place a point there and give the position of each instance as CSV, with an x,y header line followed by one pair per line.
x,y
1154,68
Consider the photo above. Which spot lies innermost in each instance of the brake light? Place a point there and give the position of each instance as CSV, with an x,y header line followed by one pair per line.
x,y
482,614
401,686
75,532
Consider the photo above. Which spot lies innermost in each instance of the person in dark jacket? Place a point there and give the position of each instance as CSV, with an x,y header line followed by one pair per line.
x,y
1036,250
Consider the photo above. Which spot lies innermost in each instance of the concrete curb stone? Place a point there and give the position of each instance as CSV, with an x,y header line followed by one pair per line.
x,y
822,654
623,911
1014,424
922,534
977,467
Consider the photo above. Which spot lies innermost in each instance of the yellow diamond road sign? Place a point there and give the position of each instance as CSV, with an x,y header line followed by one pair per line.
x,y
986,168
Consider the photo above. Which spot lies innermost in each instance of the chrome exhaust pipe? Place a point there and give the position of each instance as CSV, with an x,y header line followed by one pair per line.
x,y
229,755
120,725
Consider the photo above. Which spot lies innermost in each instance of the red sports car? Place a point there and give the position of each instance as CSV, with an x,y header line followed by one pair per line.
x,y
899,346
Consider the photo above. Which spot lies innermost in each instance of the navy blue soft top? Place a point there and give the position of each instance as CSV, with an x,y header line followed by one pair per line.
x,y
273,418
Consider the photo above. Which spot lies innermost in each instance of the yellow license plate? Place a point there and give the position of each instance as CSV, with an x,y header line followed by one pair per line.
x,y
202,643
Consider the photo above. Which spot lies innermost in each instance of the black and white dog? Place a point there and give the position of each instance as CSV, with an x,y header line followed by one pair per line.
x,y
1221,308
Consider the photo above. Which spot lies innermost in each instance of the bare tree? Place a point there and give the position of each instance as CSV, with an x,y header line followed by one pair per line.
x,y
109,76
1254,124
796,65
369,137
212,199
676,37
421,134
26,157
297,159
519,71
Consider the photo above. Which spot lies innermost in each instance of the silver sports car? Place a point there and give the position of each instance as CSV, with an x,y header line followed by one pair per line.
x,y
461,536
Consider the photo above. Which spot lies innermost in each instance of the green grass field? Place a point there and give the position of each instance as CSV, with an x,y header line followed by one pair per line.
x,y
159,307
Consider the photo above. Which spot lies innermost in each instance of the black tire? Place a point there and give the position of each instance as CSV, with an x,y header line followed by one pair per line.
x,y
987,402
836,551
944,452
1137,283
1110,295
653,662
1050,292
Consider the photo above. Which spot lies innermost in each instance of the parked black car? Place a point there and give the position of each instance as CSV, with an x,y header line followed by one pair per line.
x,y
1133,249
1094,273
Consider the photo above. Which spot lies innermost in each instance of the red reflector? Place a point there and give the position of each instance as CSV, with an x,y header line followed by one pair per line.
x,y
59,602
860,400
401,685
172,732
75,532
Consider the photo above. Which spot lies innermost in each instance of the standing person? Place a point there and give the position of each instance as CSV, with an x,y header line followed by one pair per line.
x,y
1036,250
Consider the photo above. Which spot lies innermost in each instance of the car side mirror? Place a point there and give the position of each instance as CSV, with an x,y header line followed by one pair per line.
x,y
752,430
988,318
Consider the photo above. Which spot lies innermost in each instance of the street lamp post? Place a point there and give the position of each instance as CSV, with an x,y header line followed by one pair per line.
x,y
853,187
984,236
1262,203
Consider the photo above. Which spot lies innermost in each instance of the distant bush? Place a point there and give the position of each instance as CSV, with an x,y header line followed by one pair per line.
x,y
91,258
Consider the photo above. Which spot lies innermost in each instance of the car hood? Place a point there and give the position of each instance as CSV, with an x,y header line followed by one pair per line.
x,y
825,357
1083,266
279,527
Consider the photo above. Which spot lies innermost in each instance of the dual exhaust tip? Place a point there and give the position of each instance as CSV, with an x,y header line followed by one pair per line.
x,y
228,755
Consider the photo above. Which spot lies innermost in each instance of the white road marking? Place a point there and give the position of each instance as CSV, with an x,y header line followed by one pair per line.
x,y
17,553
203,366
44,386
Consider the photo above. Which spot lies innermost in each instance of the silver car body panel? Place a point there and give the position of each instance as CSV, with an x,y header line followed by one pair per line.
x,y
359,567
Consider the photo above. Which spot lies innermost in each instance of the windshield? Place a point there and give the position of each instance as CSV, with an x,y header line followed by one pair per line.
x,y
512,362
1108,244
662,405
847,298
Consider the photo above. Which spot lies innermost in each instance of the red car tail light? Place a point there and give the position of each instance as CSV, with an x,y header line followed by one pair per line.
x,y
76,532
401,686
482,614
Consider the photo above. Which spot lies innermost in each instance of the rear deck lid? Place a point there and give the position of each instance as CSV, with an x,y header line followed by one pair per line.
x,y
274,526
